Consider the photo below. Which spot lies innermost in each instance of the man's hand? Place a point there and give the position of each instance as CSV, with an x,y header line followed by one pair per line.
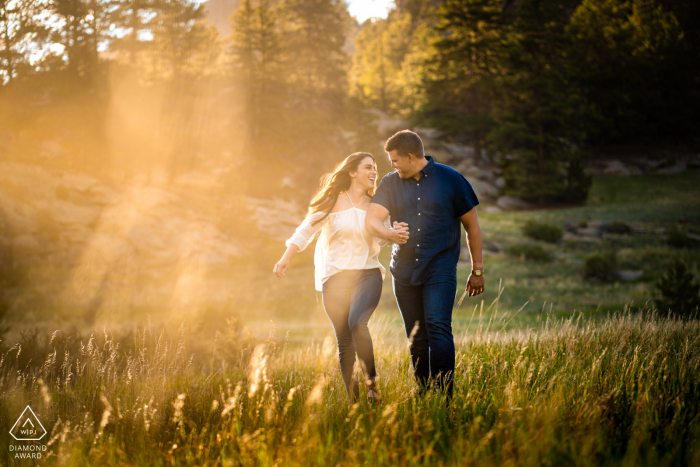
x,y
475,285
374,222
399,233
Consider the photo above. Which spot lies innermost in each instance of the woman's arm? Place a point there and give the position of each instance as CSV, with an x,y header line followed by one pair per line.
x,y
374,222
302,237
282,265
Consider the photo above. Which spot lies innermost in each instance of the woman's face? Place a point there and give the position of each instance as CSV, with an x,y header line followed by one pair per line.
x,y
366,174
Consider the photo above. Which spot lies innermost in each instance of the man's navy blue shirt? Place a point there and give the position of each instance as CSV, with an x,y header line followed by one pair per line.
x,y
431,206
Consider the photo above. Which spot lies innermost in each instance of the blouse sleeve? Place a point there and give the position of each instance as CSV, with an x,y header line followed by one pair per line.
x,y
382,241
306,232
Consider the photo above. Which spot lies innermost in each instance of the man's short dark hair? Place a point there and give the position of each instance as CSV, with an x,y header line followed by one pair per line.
x,y
405,142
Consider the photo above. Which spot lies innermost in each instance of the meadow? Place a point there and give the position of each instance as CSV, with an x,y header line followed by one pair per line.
x,y
622,391
552,368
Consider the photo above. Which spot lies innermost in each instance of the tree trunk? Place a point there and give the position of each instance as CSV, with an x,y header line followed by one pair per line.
x,y
476,137
540,158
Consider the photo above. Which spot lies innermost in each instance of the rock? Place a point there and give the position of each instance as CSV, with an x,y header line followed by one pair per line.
x,y
493,208
484,189
594,229
78,182
471,170
103,194
459,150
277,218
66,213
110,249
428,133
615,167
439,154
627,276
25,246
52,150
494,247
635,170
512,203
500,182
386,125
694,162
198,181
677,168
20,217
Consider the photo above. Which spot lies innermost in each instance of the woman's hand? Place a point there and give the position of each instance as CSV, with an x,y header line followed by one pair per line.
x,y
399,233
281,267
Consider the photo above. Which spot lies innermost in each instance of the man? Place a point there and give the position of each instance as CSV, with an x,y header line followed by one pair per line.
x,y
432,199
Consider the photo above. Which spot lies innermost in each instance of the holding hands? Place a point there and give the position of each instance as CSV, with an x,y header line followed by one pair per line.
x,y
399,233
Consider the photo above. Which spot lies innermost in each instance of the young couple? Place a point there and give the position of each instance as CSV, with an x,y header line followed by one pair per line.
x,y
426,202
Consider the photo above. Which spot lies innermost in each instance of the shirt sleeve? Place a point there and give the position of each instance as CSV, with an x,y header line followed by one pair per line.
x,y
306,232
382,196
465,199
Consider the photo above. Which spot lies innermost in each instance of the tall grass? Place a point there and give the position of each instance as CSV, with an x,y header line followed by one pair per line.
x,y
621,391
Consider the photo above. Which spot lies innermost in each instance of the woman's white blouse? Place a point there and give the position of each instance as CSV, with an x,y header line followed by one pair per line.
x,y
344,243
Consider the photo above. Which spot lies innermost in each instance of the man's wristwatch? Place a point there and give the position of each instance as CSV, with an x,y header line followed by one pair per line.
x,y
478,272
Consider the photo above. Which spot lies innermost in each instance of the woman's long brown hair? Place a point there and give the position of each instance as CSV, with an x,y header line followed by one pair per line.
x,y
334,183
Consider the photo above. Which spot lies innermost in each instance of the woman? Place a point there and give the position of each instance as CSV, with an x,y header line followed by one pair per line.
x,y
348,272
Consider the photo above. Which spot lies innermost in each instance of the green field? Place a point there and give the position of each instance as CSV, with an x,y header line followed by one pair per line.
x,y
557,288
558,370
623,391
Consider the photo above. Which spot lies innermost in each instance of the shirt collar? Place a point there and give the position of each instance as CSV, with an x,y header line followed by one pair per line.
x,y
431,165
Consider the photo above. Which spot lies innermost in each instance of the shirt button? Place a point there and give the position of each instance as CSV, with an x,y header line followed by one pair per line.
x,y
418,184
416,259
419,214
418,230
418,244
418,199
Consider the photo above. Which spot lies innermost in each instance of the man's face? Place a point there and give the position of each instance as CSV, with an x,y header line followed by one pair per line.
x,y
402,165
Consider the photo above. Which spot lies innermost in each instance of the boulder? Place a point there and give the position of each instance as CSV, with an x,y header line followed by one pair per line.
x,y
616,167
110,249
67,213
500,182
277,218
78,182
25,246
677,168
471,170
52,150
428,133
513,203
484,190
627,276
19,217
386,125
459,150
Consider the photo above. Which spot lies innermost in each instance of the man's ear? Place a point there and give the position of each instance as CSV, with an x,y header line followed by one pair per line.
x,y
411,157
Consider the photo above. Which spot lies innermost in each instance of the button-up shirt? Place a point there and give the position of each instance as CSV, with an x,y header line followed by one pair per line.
x,y
432,207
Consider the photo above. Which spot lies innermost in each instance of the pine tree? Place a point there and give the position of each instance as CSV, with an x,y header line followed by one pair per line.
x,y
20,27
473,36
679,292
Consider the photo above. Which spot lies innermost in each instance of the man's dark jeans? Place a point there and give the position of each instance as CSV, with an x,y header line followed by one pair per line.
x,y
433,347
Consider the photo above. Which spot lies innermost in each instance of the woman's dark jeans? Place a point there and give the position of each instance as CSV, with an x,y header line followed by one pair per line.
x,y
350,297
433,347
